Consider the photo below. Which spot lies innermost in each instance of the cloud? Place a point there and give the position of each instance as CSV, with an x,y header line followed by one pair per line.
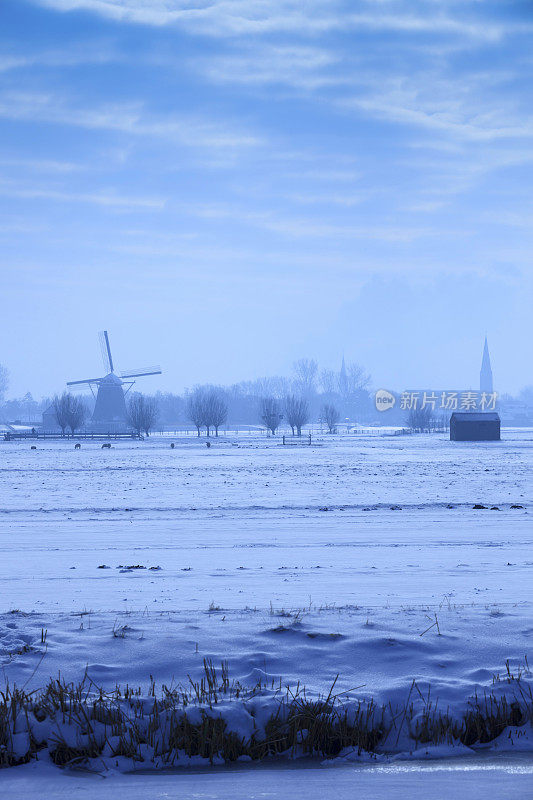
x,y
298,66
463,107
22,226
329,175
131,118
482,126
244,17
42,165
311,227
445,101
107,199
347,200
96,53
517,219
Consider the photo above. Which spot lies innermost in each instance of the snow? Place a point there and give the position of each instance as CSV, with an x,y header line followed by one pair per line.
x,y
504,778
357,557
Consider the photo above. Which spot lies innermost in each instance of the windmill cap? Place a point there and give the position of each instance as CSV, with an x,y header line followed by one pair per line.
x,y
111,378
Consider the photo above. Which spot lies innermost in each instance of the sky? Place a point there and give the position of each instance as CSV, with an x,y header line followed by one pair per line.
x,y
229,185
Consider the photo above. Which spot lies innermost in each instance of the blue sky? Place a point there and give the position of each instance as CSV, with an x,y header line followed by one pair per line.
x,y
229,185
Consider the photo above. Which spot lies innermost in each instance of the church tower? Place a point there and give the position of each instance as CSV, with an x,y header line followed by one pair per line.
x,y
343,378
485,375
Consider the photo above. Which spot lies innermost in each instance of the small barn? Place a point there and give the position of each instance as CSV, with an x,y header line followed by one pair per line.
x,y
475,427
49,424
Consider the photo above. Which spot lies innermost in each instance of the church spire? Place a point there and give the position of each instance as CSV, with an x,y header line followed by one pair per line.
x,y
343,377
485,375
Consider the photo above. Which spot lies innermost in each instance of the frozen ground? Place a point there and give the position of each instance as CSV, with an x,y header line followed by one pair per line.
x,y
503,778
301,562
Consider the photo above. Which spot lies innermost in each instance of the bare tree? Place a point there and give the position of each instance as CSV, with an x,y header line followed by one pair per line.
x,y
30,405
76,413
195,408
215,409
306,371
420,420
331,416
135,412
4,381
142,413
61,404
270,414
296,412
356,378
151,413
526,394
441,422
329,381
275,386
171,407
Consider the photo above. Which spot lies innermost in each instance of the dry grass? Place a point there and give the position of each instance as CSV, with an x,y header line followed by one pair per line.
x,y
75,723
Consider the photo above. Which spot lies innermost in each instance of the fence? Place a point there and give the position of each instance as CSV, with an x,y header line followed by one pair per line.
x,y
297,439
11,436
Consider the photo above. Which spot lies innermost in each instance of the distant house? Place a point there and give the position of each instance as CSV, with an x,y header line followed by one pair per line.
x,y
7,429
475,427
49,424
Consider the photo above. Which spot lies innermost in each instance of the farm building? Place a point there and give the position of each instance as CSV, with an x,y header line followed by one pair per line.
x,y
472,427
49,424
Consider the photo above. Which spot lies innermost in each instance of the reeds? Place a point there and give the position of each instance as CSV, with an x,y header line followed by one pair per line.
x,y
220,720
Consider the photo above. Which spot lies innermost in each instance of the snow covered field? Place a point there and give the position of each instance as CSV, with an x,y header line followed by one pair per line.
x,y
504,778
360,557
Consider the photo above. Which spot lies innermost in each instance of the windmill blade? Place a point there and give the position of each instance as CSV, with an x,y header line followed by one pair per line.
x,y
87,381
136,373
106,351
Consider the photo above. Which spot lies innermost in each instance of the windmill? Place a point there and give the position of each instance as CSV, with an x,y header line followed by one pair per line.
x,y
110,413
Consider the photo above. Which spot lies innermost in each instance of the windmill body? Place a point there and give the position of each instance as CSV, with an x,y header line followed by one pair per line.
x,y
110,406
110,413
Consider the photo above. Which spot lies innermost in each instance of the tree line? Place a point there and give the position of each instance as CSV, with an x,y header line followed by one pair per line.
x,y
308,394
207,407
71,412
